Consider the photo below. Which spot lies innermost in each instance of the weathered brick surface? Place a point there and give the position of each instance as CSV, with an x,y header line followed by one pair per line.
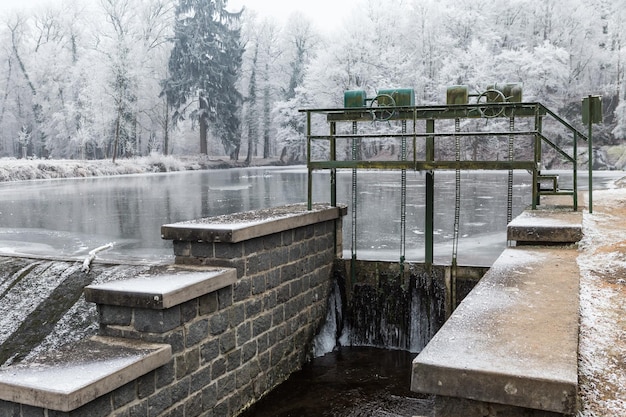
x,y
232,346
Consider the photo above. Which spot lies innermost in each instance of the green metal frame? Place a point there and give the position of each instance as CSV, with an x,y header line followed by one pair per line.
x,y
430,164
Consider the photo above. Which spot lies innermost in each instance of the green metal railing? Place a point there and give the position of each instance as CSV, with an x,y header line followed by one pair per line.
x,y
428,161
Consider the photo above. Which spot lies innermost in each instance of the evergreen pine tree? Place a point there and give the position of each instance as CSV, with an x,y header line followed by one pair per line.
x,y
205,63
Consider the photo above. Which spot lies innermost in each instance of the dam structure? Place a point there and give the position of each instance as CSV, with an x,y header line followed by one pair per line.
x,y
239,309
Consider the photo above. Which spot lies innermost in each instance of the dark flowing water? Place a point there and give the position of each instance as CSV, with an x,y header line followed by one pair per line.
x,y
349,382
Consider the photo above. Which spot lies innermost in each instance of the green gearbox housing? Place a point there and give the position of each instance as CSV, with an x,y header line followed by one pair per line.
x,y
387,97
511,91
354,99
401,97
457,94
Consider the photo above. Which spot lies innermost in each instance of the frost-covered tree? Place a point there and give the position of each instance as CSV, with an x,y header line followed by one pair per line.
x,y
252,118
70,71
262,82
301,43
270,84
204,67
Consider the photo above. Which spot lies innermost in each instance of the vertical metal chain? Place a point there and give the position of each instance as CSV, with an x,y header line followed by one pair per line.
x,y
403,200
509,206
354,193
354,206
457,197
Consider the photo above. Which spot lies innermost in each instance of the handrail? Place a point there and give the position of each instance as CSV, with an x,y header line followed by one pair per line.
x,y
556,148
564,122
436,112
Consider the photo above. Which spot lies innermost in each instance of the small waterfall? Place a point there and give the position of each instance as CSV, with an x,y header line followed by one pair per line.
x,y
384,309
327,338
428,307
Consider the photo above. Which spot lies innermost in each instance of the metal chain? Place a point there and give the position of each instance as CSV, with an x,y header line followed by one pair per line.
x,y
403,200
354,192
509,207
457,198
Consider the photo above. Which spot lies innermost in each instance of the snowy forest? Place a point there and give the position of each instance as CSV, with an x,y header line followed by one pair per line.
x,y
122,78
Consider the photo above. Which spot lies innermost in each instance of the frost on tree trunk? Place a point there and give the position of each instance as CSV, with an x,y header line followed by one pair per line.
x,y
204,122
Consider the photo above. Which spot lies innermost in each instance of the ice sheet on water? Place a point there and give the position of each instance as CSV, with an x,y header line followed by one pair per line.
x,y
58,244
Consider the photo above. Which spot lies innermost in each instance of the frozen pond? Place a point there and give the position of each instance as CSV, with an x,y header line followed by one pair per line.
x,y
70,217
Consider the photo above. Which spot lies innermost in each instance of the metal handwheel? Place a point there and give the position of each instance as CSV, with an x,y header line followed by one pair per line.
x,y
382,107
491,96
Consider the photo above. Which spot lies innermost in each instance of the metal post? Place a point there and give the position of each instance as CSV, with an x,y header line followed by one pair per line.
x,y
308,162
430,197
590,143
575,169
333,158
537,170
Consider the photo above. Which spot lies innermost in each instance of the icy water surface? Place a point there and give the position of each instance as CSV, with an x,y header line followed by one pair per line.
x,y
350,382
70,217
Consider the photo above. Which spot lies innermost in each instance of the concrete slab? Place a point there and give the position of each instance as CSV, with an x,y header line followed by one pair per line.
x,y
546,226
162,290
514,339
242,226
70,378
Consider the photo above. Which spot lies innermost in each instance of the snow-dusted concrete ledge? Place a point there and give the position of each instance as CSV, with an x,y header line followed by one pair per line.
x,y
538,227
510,348
68,379
248,225
161,291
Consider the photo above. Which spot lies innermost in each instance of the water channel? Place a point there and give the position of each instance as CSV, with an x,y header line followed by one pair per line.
x,y
67,218
70,217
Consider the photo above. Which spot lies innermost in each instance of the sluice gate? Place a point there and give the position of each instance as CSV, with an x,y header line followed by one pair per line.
x,y
497,132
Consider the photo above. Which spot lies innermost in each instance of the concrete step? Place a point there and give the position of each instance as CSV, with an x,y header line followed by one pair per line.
x,y
72,377
512,343
546,226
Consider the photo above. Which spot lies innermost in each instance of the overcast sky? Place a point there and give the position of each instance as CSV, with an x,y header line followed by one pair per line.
x,y
325,14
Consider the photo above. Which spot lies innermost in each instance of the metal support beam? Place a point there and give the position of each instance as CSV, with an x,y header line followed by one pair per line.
x,y
429,217
308,162
333,171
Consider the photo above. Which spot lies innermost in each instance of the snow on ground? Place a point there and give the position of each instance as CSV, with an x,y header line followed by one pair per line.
x,y
602,348
12,169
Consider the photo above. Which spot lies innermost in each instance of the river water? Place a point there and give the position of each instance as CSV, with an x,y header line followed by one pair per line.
x,y
70,217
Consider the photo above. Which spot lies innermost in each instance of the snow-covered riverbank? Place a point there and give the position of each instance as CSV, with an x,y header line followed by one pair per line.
x,y
34,169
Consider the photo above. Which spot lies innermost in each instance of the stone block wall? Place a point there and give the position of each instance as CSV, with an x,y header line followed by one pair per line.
x,y
238,343
233,344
